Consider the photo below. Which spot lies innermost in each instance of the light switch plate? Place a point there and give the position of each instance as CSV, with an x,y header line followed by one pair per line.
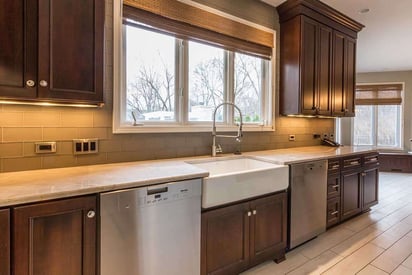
x,y
85,146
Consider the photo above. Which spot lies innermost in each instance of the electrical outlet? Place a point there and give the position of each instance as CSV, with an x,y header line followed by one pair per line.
x,y
291,137
332,136
325,135
85,146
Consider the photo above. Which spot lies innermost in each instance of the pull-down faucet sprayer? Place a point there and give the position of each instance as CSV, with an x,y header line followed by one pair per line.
x,y
238,137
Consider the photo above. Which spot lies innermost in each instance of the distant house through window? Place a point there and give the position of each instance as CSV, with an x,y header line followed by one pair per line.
x,y
379,116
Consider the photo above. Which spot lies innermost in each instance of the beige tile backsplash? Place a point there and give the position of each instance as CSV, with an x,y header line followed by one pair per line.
x,y
21,126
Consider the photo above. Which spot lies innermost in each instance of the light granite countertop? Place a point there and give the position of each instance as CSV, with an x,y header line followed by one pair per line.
x,y
39,185
310,153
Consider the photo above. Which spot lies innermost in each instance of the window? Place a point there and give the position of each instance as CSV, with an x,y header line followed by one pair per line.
x,y
171,81
378,118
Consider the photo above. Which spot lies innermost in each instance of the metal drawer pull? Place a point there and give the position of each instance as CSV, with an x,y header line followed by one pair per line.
x,y
354,162
336,166
335,186
249,213
91,214
372,160
363,174
334,213
254,212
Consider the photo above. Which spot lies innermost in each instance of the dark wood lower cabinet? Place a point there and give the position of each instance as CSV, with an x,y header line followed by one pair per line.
x,y
239,236
370,187
351,194
268,229
353,184
57,237
225,240
5,242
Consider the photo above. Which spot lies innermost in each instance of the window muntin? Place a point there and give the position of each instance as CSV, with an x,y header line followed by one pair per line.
x,y
150,75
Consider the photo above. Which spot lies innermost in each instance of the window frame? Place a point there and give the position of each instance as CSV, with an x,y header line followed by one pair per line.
x,y
182,123
401,121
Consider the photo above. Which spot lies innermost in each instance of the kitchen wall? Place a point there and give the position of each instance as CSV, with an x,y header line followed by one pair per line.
x,y
384,77
21,126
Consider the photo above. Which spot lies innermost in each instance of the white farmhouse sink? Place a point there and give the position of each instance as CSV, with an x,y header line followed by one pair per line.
x,y
234,179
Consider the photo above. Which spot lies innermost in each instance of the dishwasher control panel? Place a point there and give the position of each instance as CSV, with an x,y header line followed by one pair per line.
x,y
166,192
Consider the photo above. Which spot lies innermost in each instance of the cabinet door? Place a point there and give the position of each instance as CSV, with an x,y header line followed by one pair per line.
x,y
310,29
268,228
351,194
225,240
4,242
349,76
370,187
324,86
55,238
338,103
18,48
344,54
71,40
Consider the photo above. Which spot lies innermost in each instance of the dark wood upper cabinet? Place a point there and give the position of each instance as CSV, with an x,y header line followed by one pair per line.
x,y
4,242
18,49
54,51
57,237
343,75
317,69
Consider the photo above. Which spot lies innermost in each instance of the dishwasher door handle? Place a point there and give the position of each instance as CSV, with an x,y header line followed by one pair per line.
x,y
157,189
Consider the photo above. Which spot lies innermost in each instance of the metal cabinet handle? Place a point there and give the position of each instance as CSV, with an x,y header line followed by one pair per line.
x,y
336,166
254,212
334,213
30,83
91,214
354,162
374,159
249,213
43,83
363,174
335,186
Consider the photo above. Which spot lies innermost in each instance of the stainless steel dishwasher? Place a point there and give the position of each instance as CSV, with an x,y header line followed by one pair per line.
x,y
308,191
152,230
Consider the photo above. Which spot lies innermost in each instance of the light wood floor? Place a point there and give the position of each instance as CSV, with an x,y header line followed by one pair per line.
x,y
377,242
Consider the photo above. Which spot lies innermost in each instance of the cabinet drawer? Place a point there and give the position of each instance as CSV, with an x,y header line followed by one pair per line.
x,y
333,187
334,166
332,213
371,159
350,163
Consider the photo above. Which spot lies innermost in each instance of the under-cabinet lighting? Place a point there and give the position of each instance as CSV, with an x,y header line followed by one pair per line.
x,y
309,116
78,105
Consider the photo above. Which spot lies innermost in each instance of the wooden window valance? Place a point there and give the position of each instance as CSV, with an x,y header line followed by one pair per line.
x,y
192,23
379,94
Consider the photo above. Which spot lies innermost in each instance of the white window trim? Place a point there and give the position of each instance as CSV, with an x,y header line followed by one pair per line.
x,y
402,121
159,127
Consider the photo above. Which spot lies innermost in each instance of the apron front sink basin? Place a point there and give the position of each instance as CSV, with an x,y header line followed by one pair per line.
x,y
235,179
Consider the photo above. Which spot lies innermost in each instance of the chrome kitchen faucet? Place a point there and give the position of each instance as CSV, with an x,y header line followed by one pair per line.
x,y
238,137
